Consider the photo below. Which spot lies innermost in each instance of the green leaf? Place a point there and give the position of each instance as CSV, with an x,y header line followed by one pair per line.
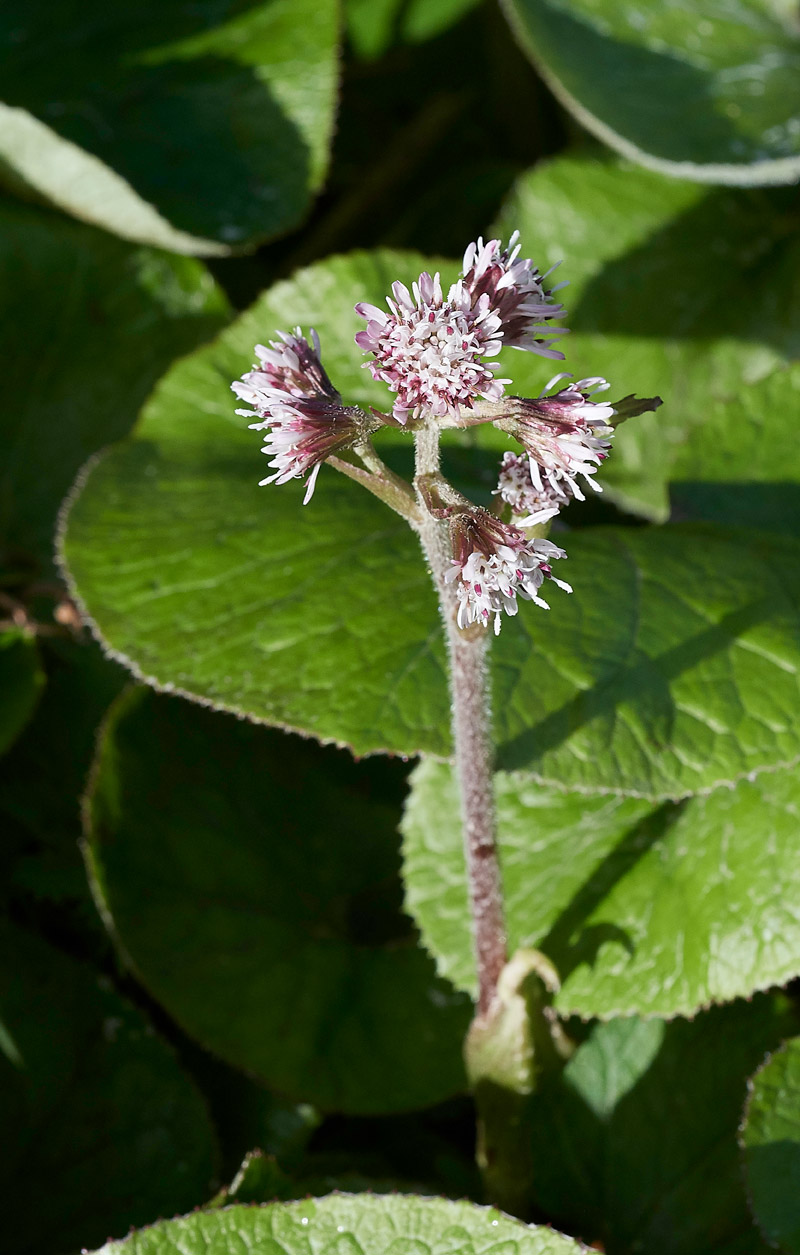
x,y
666,673
252,882
101,1128
348,1225
771,1147
752,479
200,129
89,325
635,1145
655,271
21,680
642,909
318,618
708,94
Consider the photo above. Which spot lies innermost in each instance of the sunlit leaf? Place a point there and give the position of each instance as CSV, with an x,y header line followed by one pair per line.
x,y
198,128
350,1225
655,910
670,670
657,270
706,92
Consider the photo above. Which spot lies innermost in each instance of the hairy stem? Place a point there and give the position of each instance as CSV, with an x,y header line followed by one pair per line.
x,y
471,722
472,737
385,485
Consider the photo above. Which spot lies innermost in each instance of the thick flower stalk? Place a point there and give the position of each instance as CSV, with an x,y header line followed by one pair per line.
x,y
494,564
299,408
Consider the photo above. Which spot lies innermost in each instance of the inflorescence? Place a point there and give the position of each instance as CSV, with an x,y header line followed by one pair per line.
x,y
431,351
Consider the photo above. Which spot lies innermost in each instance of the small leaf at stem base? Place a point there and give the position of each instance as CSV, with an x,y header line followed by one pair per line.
x,y
507,1051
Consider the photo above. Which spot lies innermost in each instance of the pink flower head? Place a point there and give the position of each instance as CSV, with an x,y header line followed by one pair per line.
x,y
564,435
494,564
516,487
497,279
428,350
294,398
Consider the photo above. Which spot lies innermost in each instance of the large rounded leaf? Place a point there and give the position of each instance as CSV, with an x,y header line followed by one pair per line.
x,y
656,273
670,670
657,911
89,324
252,881
770,1139
101,1128
319,619
21,679
635,1147
348,1225
706,92
200,128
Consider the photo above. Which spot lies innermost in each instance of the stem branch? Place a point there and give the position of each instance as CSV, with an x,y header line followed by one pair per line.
x,y
384,484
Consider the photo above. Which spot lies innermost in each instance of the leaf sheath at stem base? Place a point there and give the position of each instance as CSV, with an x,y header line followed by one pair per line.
x,y
507,1052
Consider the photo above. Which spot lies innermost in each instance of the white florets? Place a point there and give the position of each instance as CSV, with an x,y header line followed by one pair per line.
x,y
428,350
565,435
494,564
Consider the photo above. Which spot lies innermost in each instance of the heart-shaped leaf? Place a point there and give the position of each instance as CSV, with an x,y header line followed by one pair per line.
x,y
669,671
771,1147
654,910
200,128
251,879
348,1225
89,324
709,94
101,1128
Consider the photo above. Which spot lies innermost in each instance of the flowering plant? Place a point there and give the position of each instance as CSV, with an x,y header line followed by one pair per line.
x,y
431,351
436,838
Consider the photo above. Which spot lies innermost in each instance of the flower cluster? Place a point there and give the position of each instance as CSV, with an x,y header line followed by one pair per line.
x,y
494,564
299,408
564,435
435,354
496,278
515,486
429,349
